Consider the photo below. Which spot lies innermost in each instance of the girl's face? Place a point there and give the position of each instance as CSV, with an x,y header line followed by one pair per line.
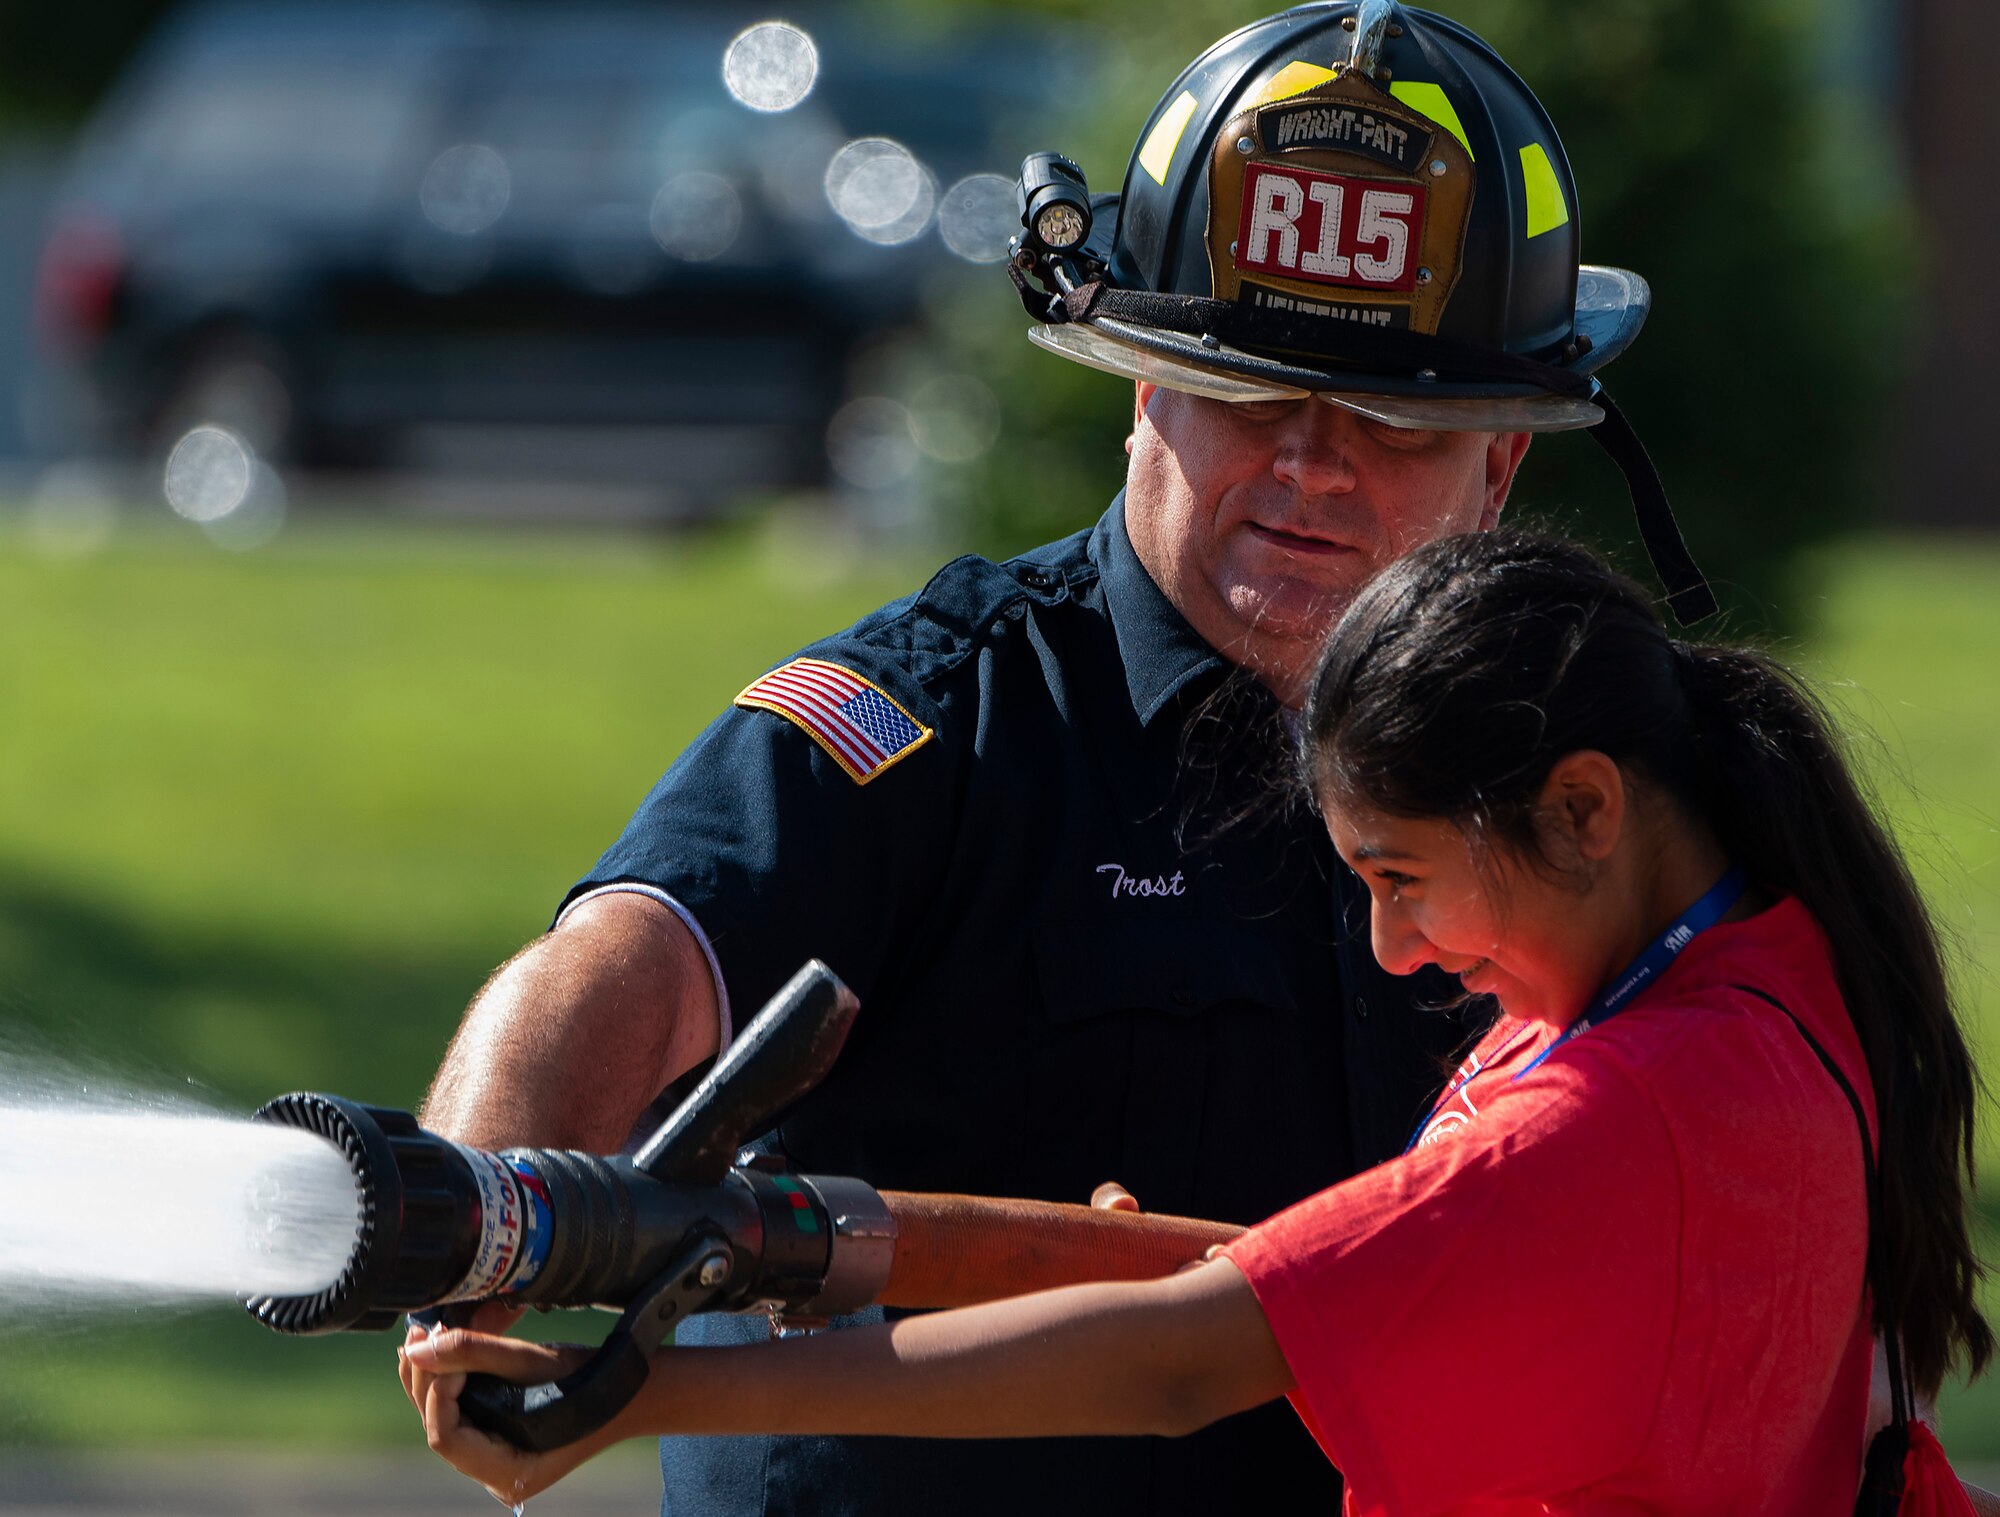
x,y
1532,939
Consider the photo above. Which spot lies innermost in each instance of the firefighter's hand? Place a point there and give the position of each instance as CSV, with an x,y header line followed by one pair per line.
x,y
1111,1196
486,1317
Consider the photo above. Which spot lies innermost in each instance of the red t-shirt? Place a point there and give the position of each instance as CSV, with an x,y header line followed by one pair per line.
x,y
1631,1281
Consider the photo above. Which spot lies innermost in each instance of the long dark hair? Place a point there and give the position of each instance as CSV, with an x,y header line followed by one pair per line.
x,y
1465,670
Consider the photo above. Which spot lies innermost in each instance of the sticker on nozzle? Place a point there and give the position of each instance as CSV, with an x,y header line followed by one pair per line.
x,y
538,1222
503,1212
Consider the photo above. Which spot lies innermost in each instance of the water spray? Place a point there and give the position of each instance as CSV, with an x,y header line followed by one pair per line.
x,y
688,1224
118,1198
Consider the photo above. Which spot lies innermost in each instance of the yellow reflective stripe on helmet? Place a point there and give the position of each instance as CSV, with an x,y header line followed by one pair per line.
x,y
1295,78
1158,152
1547,209
1431,100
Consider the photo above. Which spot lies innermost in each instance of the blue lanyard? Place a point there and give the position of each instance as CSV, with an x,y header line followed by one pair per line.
x,y
1715,904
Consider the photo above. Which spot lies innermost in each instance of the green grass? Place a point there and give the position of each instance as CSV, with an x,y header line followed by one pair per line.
x,y
1907,645
1906,641
267,821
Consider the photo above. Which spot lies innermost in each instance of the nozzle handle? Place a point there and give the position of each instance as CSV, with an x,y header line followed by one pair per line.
x,y
547,1416
784,1052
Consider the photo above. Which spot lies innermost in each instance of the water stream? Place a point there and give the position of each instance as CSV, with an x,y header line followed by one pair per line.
x,y
113,1198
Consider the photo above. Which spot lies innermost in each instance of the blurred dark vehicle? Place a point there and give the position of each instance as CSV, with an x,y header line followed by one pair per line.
x,y
503,240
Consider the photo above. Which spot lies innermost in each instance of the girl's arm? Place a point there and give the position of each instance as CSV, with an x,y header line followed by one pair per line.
x,y
1162,1356
1159,1356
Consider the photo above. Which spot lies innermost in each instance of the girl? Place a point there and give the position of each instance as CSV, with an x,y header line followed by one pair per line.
x,y
1627,1263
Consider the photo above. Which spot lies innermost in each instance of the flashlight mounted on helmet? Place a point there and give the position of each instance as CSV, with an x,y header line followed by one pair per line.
x,y
1061,247
1055,202
1362,202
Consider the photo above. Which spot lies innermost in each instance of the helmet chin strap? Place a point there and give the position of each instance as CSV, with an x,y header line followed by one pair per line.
x,y
1688,595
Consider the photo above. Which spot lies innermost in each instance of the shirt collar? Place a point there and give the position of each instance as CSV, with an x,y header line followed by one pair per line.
x,y
1160,651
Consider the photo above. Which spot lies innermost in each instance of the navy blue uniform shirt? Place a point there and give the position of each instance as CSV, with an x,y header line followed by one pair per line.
x,y
1092,940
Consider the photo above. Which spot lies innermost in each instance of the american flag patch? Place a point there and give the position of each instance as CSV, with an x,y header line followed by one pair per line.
x,y
860,728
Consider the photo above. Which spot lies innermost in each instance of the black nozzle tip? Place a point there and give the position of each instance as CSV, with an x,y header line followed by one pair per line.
x,y
357,1132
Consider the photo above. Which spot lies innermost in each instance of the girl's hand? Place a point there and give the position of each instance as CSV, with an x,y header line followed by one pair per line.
x,y
433,1367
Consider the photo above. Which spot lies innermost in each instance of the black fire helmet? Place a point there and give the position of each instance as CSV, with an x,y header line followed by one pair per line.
x,y
1359,201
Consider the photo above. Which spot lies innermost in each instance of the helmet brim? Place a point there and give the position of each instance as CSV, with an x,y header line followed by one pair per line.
x,y
1611,307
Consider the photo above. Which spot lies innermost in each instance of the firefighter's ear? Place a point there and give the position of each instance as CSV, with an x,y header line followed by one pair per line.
x,y
1142,396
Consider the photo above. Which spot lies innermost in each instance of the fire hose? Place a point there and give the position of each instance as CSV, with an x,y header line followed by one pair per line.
x,y
687,1224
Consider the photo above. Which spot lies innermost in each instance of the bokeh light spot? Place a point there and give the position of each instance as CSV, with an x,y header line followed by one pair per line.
x,y
72,510
955,419
466,189
874,183
869,442
911,224
770,66
696,216
258,517
208,474
977,216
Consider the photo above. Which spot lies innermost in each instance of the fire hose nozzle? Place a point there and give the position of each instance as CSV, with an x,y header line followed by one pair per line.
x,y
682,1227
679,1229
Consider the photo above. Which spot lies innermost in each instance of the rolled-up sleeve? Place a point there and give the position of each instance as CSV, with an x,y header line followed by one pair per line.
x,y
780,856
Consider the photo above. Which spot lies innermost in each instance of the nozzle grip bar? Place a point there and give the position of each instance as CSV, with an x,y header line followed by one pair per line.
x,y
557,1412
547,1416
784,1052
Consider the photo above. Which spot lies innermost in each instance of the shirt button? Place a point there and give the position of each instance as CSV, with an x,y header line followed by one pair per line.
x,y
1182,996
1360,1009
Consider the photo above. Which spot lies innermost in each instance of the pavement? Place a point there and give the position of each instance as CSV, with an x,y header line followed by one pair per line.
x,y
222,1483
213,1483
